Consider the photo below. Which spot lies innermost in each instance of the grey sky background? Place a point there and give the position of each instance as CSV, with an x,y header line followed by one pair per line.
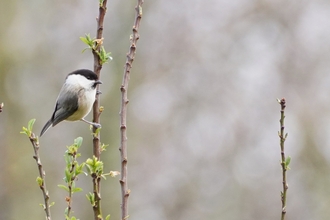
x,y
202,119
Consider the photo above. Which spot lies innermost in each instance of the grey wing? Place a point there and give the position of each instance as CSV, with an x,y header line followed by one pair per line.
x,y
66,105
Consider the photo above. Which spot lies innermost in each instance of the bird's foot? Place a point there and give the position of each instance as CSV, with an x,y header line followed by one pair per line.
x,y
96,125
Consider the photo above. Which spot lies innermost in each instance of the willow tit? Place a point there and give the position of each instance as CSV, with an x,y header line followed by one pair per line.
x,y
76,99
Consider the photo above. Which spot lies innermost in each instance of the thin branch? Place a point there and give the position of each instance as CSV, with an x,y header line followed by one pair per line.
x,y
41,179
97,70
70,183
123,110
284,161
96,106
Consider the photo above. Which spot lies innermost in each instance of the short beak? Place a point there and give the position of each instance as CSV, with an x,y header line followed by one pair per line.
x,y
98,82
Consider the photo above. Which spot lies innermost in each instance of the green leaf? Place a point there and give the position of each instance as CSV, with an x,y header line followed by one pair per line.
x,y
78,141
67,159
84,49
287,162
68,217
79,169
103,176
24,131
77,189
98,168
39,181
103,55
87,40
94,166
108,217
104,147
64,187
91,199
28,130
30,124
68,176
97,131
83,39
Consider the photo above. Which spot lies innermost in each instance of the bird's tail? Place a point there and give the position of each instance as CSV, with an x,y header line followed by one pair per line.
x,y
46,127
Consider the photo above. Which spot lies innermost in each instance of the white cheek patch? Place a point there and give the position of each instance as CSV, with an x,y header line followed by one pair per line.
x,y
76,79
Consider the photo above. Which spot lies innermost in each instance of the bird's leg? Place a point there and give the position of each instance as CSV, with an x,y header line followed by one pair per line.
x,y
96,125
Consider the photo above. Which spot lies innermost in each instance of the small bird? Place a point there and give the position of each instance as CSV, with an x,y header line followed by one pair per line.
x,y
76,99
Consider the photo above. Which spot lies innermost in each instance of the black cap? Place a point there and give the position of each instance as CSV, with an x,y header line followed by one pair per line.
x,y
86,73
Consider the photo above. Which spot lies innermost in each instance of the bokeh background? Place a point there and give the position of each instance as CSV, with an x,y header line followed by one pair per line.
x,y
203,116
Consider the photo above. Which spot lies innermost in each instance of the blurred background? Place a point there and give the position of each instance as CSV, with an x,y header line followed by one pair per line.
x,y
202,118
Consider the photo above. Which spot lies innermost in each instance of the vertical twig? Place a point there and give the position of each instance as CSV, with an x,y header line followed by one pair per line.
x,y
96,106
72,177
97,70
41,179
123,110
69,197
284,161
